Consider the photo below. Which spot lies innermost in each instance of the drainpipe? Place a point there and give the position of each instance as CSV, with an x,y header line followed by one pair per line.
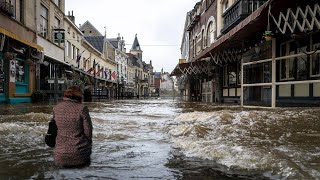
x,y
36,40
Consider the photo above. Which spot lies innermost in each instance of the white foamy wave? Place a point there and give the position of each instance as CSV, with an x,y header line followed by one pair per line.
x,y
18,128
237,140
30,117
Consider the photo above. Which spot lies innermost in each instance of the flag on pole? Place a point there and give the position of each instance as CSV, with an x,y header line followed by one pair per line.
x,y
79,57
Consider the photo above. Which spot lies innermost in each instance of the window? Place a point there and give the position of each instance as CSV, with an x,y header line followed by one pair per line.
x,y
57,2
69,49
20,71
56,23
287,65
210,34
203,40
225,76
77,53
231,75
315,61
302,64
73,53
21,13
225,5
44,21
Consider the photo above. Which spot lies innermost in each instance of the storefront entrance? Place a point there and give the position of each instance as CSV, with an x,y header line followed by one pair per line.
x,y
2,80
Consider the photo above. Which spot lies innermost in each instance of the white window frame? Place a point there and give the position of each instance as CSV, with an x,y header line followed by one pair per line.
x,y
314,57
287,61
43,21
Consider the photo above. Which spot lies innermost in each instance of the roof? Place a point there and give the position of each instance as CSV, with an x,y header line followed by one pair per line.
x,y
136,45
157,75
87,23
114,42
96,41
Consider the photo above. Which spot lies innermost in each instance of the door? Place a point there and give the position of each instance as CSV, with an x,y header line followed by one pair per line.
x,y
2,80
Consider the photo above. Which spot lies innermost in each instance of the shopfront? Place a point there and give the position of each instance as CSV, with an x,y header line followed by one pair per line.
x,y
17,68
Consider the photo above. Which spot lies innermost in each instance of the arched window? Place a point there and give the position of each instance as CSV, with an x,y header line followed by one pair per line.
x,y
203,40
210,34
193,50
195,46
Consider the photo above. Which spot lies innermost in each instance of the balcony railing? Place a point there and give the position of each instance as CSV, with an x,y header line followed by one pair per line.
x,y
6,7
239,11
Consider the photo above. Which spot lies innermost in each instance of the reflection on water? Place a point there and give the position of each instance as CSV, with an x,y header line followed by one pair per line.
x,y
166,139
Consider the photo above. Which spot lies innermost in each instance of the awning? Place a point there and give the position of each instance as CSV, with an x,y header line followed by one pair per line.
x,y
84,72
243,30
16,37
52,59
190,68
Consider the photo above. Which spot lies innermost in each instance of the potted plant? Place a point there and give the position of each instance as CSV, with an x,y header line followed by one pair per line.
x,y
267,35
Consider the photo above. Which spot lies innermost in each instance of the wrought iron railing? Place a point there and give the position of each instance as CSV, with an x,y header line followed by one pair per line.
x,y
239,11
6,7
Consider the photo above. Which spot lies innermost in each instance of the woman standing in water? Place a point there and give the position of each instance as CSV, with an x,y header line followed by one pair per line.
x,y
74,137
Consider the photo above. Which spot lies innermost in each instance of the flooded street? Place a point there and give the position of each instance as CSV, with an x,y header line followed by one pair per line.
x,y
167,139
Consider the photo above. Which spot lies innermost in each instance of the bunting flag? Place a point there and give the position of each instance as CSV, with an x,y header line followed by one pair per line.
x,y
89,71
99,71
106,73
79,57
113,75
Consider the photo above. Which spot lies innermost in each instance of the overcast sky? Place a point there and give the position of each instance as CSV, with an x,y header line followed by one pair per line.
x,y
157,22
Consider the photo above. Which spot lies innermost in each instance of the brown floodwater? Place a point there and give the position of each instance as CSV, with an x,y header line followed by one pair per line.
x,y
168,139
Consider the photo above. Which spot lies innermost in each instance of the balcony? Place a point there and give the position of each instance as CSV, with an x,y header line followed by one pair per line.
x,y
6,7
239,11
193,22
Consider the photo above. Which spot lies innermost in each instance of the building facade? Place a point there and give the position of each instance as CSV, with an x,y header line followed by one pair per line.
x,y
19,51
241,61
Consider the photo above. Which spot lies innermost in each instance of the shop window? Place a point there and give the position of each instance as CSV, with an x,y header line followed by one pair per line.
x,y
315,61
233,75
302,73
20,72
225,76
43,21
287,65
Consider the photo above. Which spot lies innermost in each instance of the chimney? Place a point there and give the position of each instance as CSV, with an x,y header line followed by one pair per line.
x,y
71,17
150,62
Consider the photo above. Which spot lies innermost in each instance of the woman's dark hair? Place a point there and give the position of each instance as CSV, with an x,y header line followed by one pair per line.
x,y
73,92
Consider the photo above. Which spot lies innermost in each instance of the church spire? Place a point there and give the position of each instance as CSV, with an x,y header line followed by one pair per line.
x,y
136,49
136,45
